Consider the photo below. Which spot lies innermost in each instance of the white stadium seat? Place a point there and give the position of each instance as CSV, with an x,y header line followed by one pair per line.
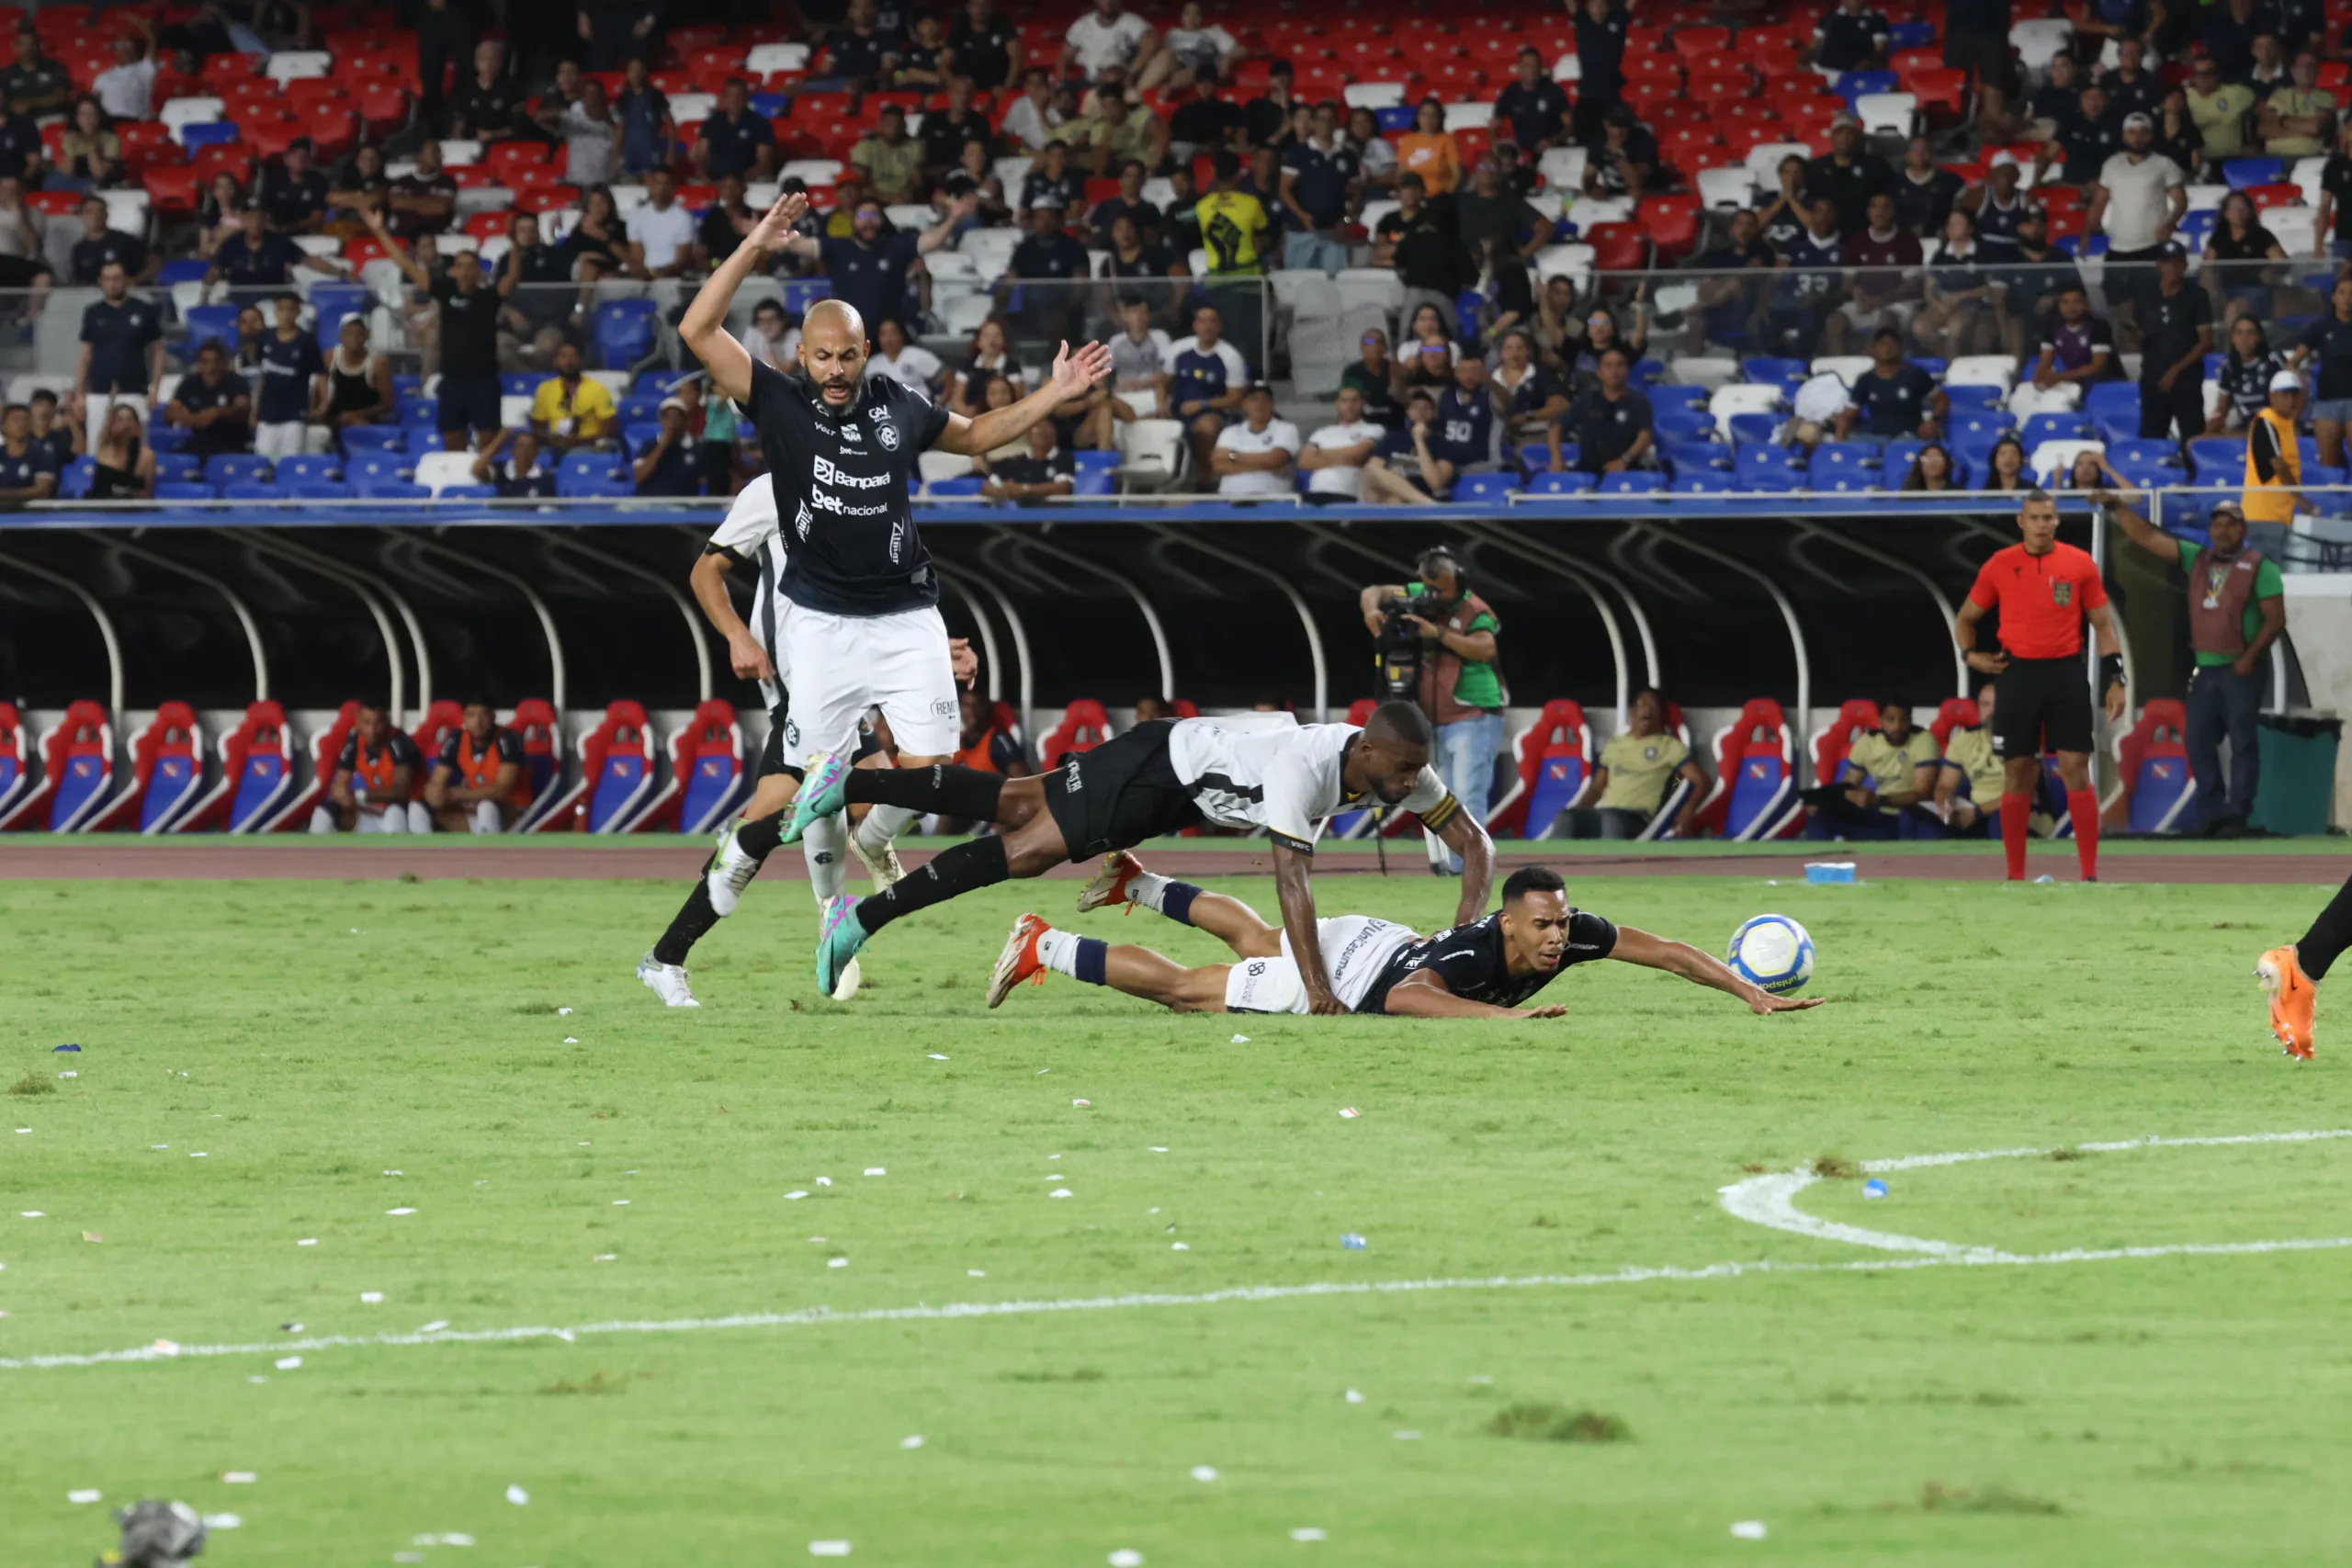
x,y
936,466
811,171
458,153
1469,116
2029,399
178,112
1373,211
1845,367
514,412
1572,262
2295,228
1567,68
2306,175
2039,42
1701,371
436,471
1981,370
1371,286
1738,397
293,64
915,215
2205,199
2053,460
1562,167
1588,210
125,210
1010,172
692,108
1764,162
1375,94
1151,452
1887,113
483,198
768,59
1732,188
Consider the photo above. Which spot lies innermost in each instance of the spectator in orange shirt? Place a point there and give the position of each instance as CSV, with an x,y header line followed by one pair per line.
x,y
477,782
1430,150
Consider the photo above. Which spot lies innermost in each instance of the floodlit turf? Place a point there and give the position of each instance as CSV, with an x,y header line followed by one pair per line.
x,y
336,1052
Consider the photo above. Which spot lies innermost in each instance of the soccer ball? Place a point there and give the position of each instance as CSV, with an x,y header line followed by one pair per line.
x,y
1773,951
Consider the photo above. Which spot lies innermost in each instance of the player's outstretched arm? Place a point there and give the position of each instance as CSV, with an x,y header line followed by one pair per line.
x,y
704,326
1468,839
1681,958
2143,533
1074,376
1423,995
1294,888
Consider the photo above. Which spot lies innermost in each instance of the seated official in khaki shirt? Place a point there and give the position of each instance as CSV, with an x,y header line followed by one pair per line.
x,y
1888,772
1629,786
1969,784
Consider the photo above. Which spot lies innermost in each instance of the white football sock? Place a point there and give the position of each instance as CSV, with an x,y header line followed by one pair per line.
x,y
883,824
1148,888
823,845
1059,952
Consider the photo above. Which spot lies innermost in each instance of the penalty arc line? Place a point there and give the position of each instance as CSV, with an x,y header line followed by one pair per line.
x,y
813,1316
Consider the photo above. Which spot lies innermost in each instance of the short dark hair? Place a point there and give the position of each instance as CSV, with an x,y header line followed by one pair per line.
x,y
209,346
1129,302
1620,350
1531,879
42,394
1884,332
2037,496
1226,165
285,297
16,408
1397,719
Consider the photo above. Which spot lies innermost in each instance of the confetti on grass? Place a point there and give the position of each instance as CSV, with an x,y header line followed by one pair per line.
x,y
1749,1529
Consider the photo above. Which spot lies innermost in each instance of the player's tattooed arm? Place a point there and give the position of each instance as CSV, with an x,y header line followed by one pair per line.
x,y
704,327
1636,946
1422,994
1294,889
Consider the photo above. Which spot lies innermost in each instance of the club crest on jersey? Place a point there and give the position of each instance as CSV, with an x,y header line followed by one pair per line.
x,y
885,432
2061,593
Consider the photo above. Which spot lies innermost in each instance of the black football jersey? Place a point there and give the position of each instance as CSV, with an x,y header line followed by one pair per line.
x,y
841,491
1474,962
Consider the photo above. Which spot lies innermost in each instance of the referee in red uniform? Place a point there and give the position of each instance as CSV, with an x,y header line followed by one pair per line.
x,y
2044,591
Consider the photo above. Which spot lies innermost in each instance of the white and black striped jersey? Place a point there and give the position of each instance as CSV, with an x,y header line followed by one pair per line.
x,y
1268,771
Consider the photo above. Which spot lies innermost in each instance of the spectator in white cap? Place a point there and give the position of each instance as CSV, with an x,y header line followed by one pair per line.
x,y
2137,198
672,464
1998,207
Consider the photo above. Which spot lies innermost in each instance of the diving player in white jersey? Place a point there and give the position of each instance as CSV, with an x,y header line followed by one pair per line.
x,y
1483,969
750,536
1259,771
857,622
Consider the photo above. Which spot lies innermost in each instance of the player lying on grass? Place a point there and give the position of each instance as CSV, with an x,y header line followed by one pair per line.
x,y
1253,772
1482,969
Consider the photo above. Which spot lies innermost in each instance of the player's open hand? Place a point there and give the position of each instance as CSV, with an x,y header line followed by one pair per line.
x,y
1764,1001
1555,1010
962,662
1075,374
775,229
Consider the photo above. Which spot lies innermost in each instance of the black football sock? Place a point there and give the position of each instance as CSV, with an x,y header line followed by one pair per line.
x,y
944,787
976,863
694,917
759,836
2329,935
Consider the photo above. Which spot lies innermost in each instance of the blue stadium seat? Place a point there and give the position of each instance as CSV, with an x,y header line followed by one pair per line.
x,y
1979,422
621,332
210,321
167,438
1898,457
1910,34
362,468
1647,373
178,467
1835,455
229,467
2218,456
2154,450
182,490
1771,371
320,466
1976,398
74,484
1675,396
2080,245
1632,481
468,492
1931,364
800,293
962,487
1704,481
422,439
1095,462
407,386
519,383
331,302
388,489
1468,305
1683,423
1975,447
1756,462
1689,456
1754,429
189,269
370,437
1771,480
655,383
1853,84
1533,457
2244,174
1572,482
252,489
2196,228
2114,410
317,490
211,133
413,411
1834,480
584,473
2045,427
1486,488
640,408
640,434
1395,119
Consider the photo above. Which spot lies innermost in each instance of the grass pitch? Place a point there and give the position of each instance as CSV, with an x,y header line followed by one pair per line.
x,y
336,1051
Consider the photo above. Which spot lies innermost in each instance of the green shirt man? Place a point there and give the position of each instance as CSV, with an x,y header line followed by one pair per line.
x,y
2267,584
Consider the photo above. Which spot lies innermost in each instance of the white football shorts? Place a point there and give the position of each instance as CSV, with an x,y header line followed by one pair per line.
x,y
1356,948
835,667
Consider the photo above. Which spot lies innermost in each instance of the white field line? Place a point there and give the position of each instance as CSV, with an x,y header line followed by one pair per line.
x,y
1930,1254
1770,1200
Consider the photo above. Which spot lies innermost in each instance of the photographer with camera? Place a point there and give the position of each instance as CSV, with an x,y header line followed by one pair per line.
x,y
1436,646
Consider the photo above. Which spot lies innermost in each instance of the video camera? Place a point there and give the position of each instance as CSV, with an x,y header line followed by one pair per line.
x,y
1399,643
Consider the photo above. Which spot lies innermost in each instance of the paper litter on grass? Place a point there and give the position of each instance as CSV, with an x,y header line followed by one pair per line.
x,y
69,1075
237,1478
516,1495
223,1521
287,1363
1059,1192
563,1012
1408,1437
1205,1472
936,1057
308,1241
620,1202
1355,1396
824,1181
836,1262
1307,1532
85,1494
1350,1111
829,1549
1749,1529
572,1040
977,1273
1127,1557
400,1211
876,1170
372,1297
1081,1102
435,1327
35,1213
913,1442
447,1538
1241,1040
1179,1246
795,1197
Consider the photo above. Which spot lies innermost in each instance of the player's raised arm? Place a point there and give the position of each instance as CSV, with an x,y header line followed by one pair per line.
x,y
704,326
1635,946
1073,377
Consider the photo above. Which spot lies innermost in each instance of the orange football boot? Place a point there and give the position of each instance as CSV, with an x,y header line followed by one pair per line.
x,y
1019,961
2292,995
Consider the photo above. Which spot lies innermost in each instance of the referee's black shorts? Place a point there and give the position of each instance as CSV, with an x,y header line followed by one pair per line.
x,y
1120,794
2042,705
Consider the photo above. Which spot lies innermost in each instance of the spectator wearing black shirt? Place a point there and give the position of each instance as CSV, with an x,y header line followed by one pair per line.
x,y
1925,191
2033,282
1265,119
1408,467
2239,242
984,49
368,791
2083,144
1886,285
213,405
469,335
2058,100
1786,215
1999,208
538,308
1203,122
123,350
1961,313
489,107
254,261
1848,175
857,53
1318,180
1727,305
477,783
1128,204
422,201
2231,27
293,376
1893,400
1810,268
1611,423
2335,223
1625,161
1047,256
2132,88
923,60
2176,335
99,244
2329,340
2247,370
672,464
1490,211
870,268
2077,348
945,132
1851,38
27,469
1423,248
294,191
21,155
1025,477
1600,57
725,223
35,82
1052,180
1534,105
520,473
61,438
734,140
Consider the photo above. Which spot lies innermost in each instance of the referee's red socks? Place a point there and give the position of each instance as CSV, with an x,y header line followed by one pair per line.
x,y
2015,810
2082,804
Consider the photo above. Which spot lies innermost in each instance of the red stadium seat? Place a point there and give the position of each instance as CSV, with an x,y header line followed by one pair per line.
x,y
168,775
1692,42
2157,789
615,775
383,105
441,720
77,773
1856,716
1555,757
235,157
270,138
1617,247
1675,224
546,198
1955,713
534,721
1755,790
707,777
172,189
2267,196
1084,726
256,782
16,772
